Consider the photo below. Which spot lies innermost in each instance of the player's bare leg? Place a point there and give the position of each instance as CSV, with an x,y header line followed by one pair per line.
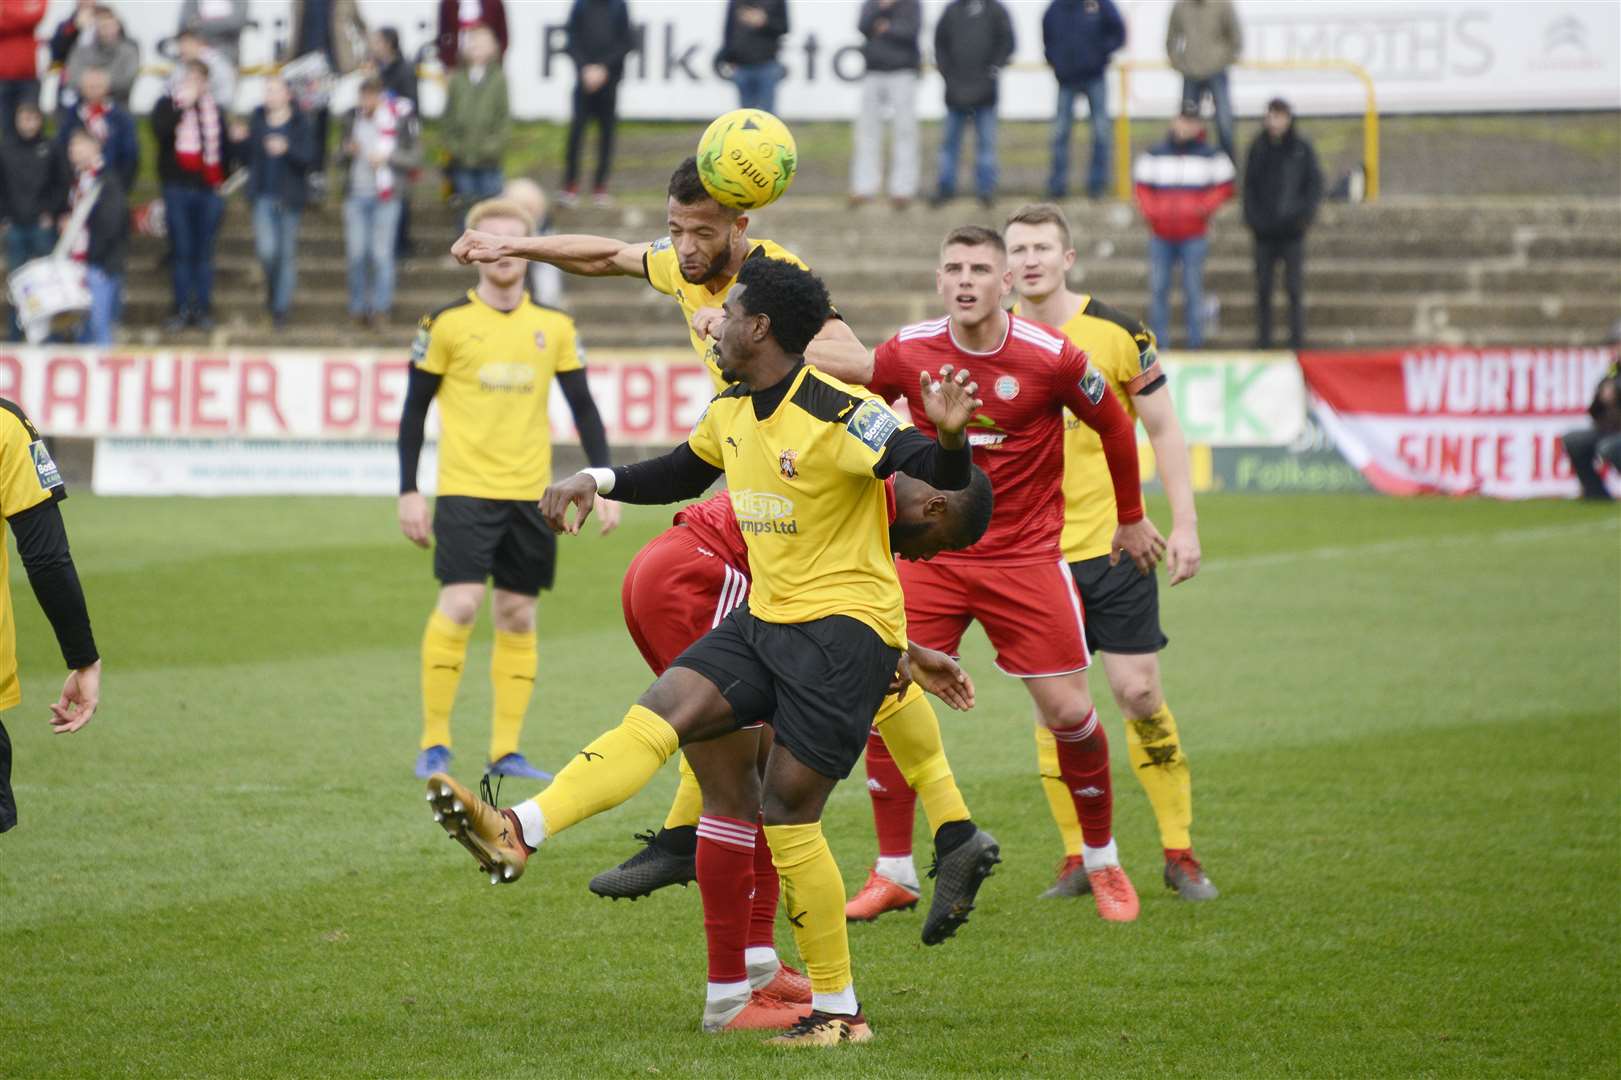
x,y
1161,766
1064,703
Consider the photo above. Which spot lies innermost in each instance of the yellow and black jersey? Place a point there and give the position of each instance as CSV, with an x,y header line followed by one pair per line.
x,y
1124,350
28,477
812,511
497,368
663,268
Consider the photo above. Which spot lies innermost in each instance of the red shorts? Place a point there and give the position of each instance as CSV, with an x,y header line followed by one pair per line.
x,y
1031,612
676,591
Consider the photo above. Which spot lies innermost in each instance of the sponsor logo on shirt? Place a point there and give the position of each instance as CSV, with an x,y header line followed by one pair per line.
x,y
760,512
44,467
873,424
507,378
1093,385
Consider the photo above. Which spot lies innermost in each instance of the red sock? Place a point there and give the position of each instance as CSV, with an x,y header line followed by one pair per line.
x,y
1083,762
763,913
725,878
893,802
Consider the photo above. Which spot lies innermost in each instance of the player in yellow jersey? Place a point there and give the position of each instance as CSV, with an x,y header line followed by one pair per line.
x,y
1121,605
30,488
489,360
814,650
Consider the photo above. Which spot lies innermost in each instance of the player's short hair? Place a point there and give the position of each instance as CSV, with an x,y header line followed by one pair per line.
x,y
973,506
499,208
793,298
974,236
686,189
1042,213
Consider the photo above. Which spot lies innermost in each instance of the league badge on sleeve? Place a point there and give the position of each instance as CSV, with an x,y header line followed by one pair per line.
x,y
1093,385
49,475
873,424
419,346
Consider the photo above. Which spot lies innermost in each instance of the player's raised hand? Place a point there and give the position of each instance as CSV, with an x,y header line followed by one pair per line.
x,y
1182,554
706,322
414,520
941,676
1140,542
478,247
949,401
578,491
80,696
607,515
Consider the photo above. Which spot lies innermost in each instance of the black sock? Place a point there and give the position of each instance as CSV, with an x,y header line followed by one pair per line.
x,y
681,840
952,835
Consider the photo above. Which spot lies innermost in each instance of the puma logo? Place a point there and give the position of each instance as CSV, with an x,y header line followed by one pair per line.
x,y
736,449
795,919
588,755
447,667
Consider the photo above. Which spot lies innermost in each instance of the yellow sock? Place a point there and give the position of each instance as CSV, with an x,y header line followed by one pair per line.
x,y
616,765
1162,769
813,899
512,678
1058,797
912,732
688,802
444,654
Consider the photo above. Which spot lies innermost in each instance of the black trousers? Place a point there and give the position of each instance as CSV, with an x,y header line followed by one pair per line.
x,y
601,106
1585,446
8,805
1293,253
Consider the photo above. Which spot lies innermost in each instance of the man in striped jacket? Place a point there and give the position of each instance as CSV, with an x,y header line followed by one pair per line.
x,y
1180,183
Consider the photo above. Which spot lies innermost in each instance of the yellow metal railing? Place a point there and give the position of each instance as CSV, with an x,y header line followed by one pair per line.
x,y
1370,116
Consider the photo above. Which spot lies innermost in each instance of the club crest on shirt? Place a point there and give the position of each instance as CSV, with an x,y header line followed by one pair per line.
x,y
873,424
1007,388
1093,385
788,462
540,339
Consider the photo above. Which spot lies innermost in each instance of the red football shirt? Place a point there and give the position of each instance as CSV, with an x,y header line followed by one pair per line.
x,y
714,523
1018,435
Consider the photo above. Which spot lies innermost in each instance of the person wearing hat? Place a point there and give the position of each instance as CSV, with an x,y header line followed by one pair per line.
x,y
1282,187
1179,184
1601,442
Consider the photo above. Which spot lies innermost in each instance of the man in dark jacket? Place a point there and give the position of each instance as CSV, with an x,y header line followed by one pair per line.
x,y
1602,441
599,39
1079,37
753,34
973,41
893,57
33,182
1282,187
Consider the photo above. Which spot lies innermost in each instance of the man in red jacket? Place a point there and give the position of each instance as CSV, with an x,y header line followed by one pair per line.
x,y
19,73
1180,184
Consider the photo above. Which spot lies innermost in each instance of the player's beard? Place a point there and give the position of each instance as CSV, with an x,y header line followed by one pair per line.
x,y
716,265
907,535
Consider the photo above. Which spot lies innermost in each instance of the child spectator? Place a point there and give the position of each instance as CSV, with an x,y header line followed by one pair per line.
x,y
281,149
103,245
108,121
380,148
477,120
399,77
190,45
194,154
32,181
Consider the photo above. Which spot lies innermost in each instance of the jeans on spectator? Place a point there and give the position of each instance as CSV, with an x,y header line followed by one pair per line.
x,y
1293,253
369,227
193,215
275,241
476,182
602,107
106,306
983,118
24,243
1584,446
1194,90
1096,92
1162,254
895,93
757,85
13,92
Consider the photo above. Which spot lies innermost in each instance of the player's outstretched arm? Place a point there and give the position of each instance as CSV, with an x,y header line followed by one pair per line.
x,y
1089,398
42,544
1158,414
680,474
573,253
836,350
593,436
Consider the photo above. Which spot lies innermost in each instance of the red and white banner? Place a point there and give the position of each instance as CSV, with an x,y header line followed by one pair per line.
x,y
1456,421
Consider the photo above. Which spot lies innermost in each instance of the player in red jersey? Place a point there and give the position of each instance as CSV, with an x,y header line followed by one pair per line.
x,y
1015,580
676,589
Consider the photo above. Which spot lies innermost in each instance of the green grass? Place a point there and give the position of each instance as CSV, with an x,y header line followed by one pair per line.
x,y
1402,717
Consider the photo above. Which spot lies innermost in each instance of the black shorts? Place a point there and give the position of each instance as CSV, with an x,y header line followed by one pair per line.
x,y
1121,606
504,539
8,805
817,683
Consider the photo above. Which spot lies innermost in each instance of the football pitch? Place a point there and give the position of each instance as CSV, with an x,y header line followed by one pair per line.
x,y
1403,718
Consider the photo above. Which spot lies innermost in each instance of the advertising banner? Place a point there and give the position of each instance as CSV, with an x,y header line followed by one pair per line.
x,y
1456,421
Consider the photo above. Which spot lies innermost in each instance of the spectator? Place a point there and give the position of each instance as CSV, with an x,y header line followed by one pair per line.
x,y
281,149
477,120
334,29
972,42
599,39
108,48
1079,37
1602,441
1180,183
893,57
103,244
67,32
379,149
749,43
19,71
457,19
219,23
1203,40
108,121
32,180
189,45
194,154
1282,187
387,61
545,281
